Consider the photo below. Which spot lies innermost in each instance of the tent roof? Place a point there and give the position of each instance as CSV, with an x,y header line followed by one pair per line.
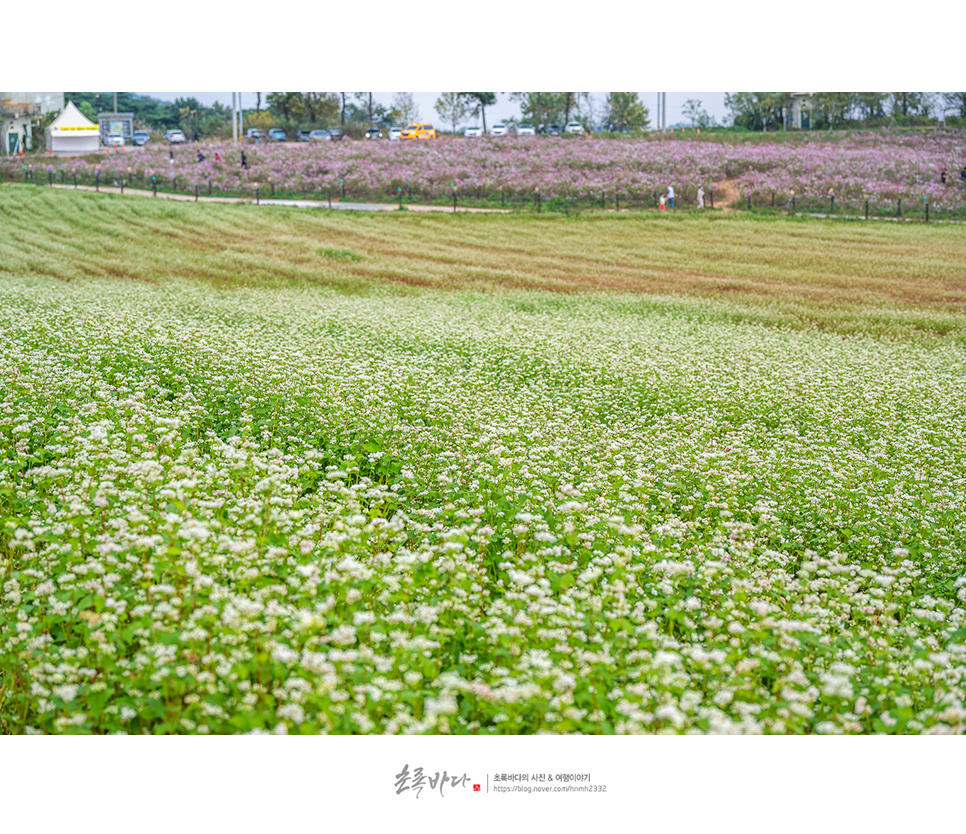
x,y
71,117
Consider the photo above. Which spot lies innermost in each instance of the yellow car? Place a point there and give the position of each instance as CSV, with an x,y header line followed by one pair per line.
x,y
419,131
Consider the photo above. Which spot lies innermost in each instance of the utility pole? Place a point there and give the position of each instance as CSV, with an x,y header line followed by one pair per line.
x,y
115,103
664,112
657,113
241,117
234,117
370,108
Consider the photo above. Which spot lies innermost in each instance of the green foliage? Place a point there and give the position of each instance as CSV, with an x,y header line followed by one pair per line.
x,y
476,104
626,110
757,111
452,108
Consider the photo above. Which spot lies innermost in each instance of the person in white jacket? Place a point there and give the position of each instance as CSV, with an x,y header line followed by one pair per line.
x,y
700,196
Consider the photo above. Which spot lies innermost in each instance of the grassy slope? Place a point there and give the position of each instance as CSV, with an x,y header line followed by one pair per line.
x,y
878,277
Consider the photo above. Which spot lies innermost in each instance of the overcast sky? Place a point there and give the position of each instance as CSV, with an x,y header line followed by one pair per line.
x,y
503,109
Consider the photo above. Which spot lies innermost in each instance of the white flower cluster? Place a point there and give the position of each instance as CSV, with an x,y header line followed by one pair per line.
x,y
299,510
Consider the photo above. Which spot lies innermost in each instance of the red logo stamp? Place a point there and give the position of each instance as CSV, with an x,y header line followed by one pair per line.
x,y
476,787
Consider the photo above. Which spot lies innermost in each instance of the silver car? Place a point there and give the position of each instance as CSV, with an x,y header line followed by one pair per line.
x,y
526,130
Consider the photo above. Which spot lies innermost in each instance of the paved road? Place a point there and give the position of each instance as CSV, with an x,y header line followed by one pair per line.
x,y
343,206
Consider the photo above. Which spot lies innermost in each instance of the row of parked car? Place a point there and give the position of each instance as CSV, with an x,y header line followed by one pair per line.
x,y
415,130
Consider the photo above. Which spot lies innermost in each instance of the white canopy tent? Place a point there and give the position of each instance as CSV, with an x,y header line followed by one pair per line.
x,y
73,134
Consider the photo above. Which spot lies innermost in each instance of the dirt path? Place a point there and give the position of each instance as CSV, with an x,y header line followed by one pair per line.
x,y
725,194
138,192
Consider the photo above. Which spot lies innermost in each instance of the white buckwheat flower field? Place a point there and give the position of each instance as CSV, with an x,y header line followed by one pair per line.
x,y
263,471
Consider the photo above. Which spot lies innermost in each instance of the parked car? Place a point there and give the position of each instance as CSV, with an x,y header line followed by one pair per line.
x,y
276,134
302,135
525,130
141,137
395,134
114,140
419,130
320,136
373,133
253,134
550,130
499,130
473,132
176,137
335,134
574,127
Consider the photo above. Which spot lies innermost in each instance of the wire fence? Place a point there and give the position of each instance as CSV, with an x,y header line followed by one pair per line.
x,y
404,195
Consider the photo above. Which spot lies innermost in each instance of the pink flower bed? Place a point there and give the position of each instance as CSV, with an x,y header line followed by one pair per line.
x,y
873,166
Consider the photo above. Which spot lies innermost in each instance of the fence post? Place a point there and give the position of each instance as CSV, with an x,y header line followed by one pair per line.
x,y
927,211
154,185
256,195
122,186
399,193
866,209
97,180
773,199
273,189
50,178
749,201
617,201
342,183
899,207
711,197
75,179
831,203
209,186
329,195
196,192
793,201
538,201
62,177
502,198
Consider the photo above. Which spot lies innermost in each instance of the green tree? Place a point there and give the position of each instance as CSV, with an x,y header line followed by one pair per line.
x,y
911,104
287,105
404,109
756,111
451,108
955,102
871,105
692,111
320,107
626,110
833,108
545,108
87,109
477,103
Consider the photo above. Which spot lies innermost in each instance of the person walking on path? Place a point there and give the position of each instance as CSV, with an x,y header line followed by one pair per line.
x,y
700,196
244,161
662,206
670,195
217,157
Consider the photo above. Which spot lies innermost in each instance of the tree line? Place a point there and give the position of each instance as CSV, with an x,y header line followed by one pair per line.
x,y
766,111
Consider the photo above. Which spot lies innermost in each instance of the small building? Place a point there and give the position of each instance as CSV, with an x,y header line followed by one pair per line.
x,y
119,123
73,134
19,114
799,115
